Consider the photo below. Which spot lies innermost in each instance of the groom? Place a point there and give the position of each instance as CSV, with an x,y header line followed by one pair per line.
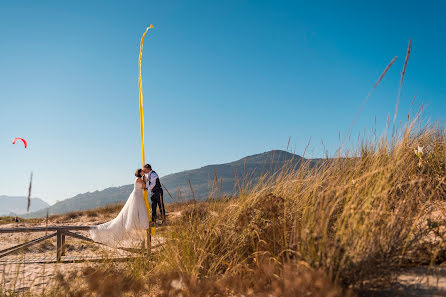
x,y
153,184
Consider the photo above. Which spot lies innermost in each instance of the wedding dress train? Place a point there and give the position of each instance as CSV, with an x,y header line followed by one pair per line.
x,y
128,228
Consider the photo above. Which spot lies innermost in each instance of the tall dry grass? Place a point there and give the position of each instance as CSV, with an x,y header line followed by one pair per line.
x,y
354,217
313,230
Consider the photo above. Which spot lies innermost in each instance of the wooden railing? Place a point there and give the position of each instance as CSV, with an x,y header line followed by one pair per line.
x,y
60,232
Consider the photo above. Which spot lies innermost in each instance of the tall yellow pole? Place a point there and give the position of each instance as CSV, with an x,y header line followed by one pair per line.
x,y
141,115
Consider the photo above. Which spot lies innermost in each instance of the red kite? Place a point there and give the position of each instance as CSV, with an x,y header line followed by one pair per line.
x,y
24,141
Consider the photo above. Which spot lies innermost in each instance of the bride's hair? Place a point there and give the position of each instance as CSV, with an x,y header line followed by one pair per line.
x,y
138,172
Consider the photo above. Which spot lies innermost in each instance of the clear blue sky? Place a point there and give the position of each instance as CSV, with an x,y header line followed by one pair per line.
x,y
222,80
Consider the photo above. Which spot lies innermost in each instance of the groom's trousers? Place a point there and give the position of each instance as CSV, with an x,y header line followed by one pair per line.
x,y
157,200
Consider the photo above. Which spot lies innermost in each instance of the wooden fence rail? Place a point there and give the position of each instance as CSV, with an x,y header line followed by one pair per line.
x,y
43,229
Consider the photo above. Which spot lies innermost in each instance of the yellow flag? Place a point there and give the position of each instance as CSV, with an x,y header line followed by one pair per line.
x,y
141,115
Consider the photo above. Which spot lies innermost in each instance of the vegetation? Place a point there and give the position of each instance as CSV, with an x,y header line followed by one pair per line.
x,y
355,218
328,230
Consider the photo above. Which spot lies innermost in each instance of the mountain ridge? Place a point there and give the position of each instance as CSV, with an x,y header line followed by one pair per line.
x,y
16,205
217,179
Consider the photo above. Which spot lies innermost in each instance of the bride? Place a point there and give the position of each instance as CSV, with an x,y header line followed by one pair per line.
x,y
128,228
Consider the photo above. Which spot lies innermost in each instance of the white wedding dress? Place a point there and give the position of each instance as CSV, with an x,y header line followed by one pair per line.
x,y
128,228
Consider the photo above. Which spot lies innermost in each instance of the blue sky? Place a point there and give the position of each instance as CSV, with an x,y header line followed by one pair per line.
x,y
222,80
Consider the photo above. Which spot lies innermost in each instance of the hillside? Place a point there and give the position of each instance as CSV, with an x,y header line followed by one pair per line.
x,y
12,205
201,179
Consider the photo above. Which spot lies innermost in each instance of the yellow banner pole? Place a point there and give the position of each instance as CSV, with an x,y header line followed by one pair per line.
x,y
141,115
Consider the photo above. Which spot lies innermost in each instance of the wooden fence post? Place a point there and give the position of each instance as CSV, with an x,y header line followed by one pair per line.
x,y
59,245
63,243
149,241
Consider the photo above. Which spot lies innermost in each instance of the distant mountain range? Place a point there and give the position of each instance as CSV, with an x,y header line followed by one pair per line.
x,y
216,180
16,205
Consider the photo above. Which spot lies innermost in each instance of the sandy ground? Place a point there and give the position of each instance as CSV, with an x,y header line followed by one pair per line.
x,y
413,282
422,280
19,272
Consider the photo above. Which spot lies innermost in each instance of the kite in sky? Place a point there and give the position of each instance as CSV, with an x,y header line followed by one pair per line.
x,y
24,141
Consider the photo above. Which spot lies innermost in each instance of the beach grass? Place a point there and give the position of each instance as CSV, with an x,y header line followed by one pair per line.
x,y
329,230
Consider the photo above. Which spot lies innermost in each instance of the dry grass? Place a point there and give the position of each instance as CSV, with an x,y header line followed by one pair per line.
x,y
354,218
102,281
269,280
105,211
9,220
306,231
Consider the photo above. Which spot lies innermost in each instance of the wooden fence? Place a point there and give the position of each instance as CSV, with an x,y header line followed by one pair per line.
x,y
60,232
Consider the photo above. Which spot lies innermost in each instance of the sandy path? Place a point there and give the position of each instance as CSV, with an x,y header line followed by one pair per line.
x,y
24,275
